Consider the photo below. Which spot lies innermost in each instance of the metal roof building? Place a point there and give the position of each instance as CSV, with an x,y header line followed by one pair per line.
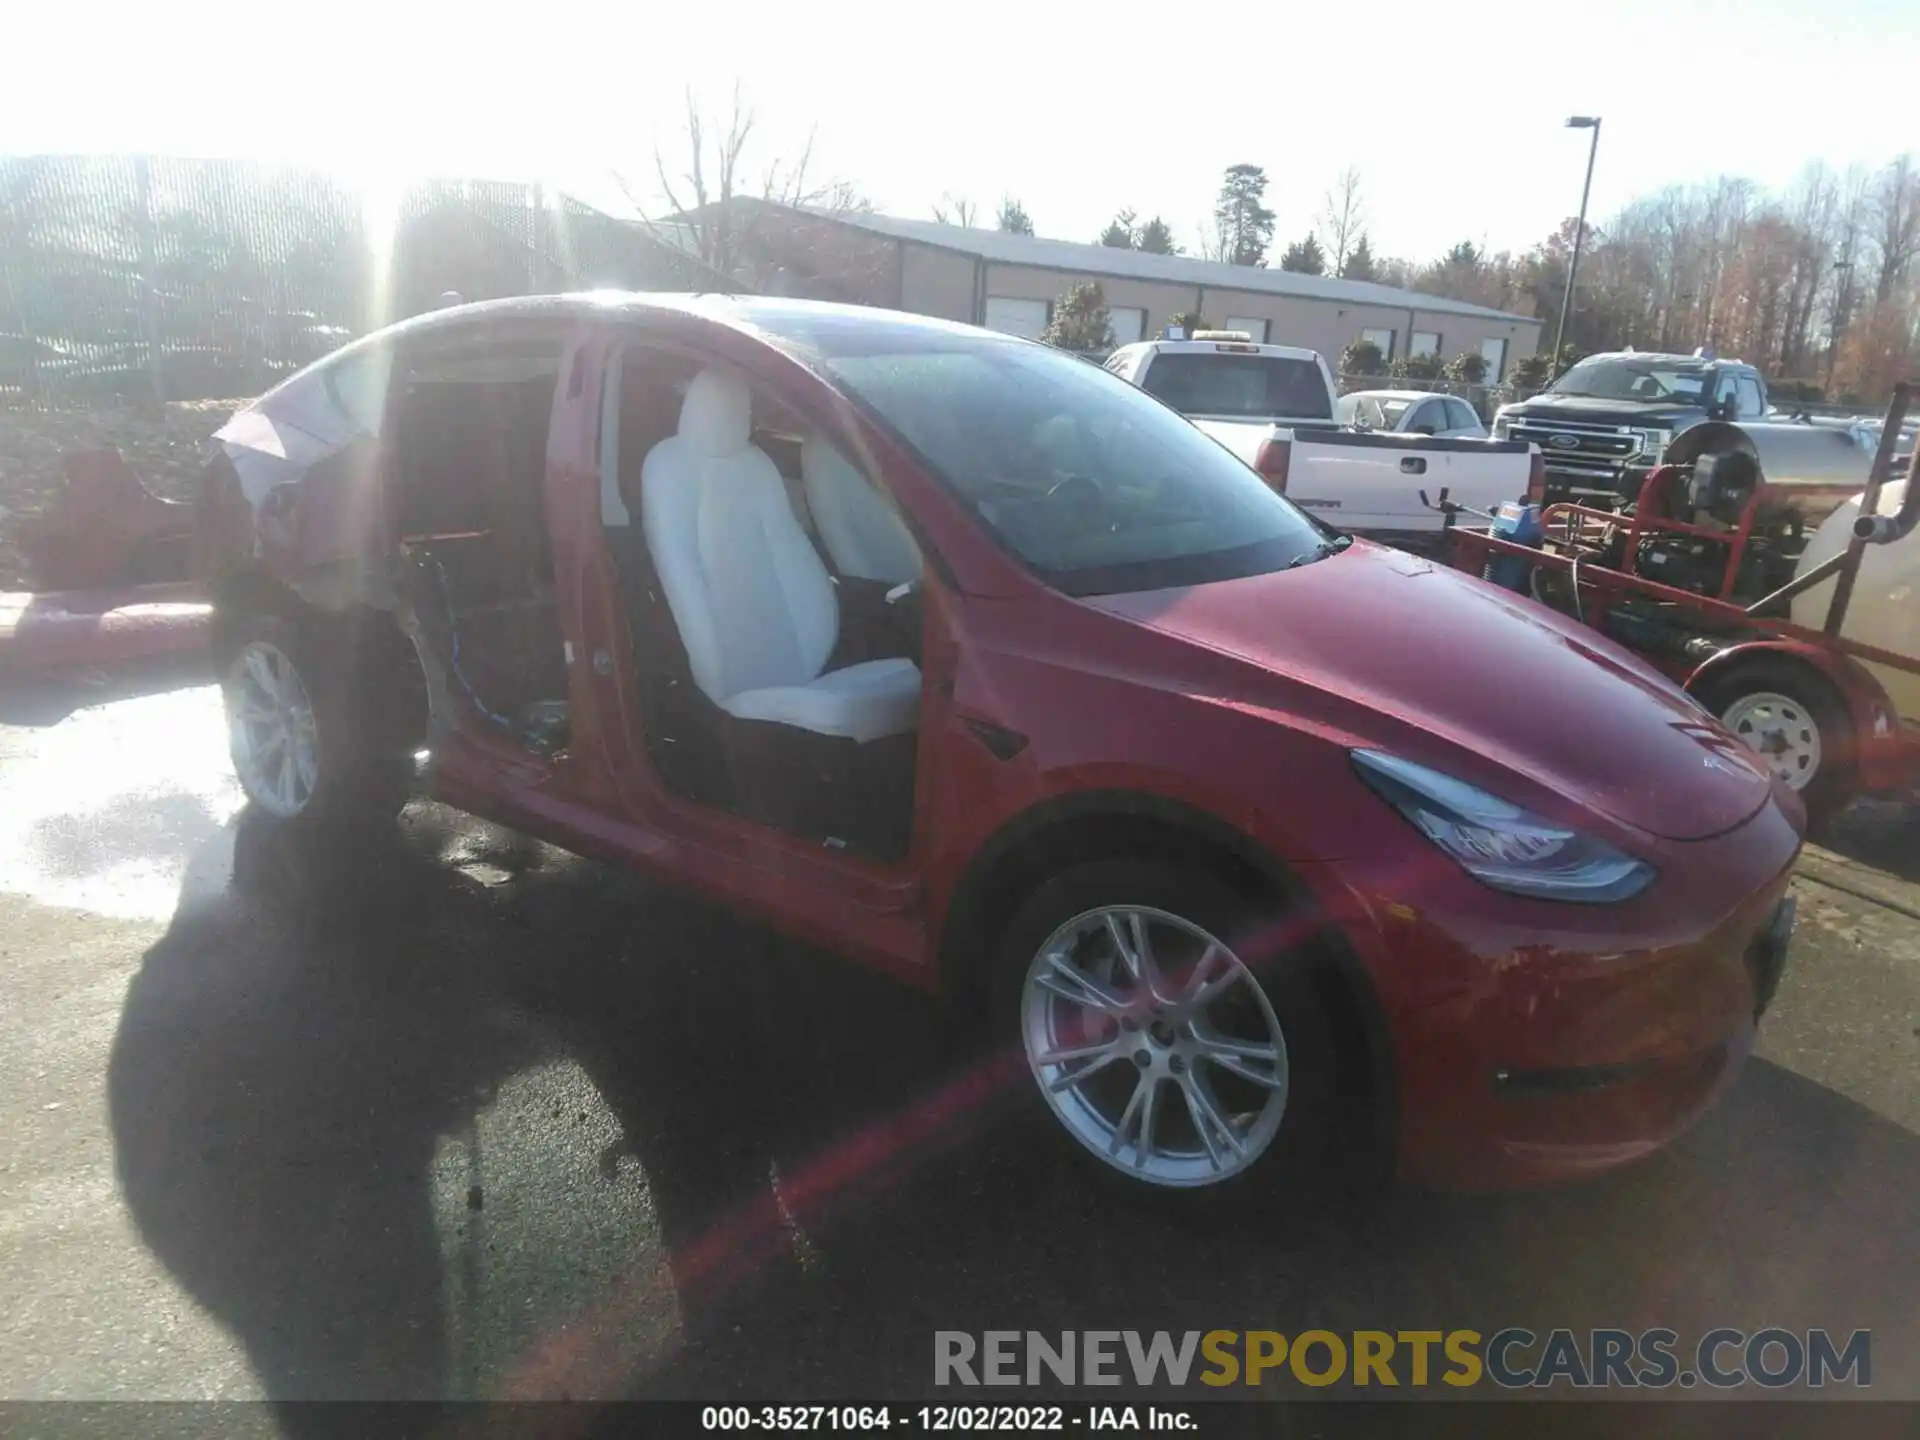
x,y
1011,282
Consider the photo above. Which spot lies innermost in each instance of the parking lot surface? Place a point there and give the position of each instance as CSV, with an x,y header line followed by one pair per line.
x,y
452,1114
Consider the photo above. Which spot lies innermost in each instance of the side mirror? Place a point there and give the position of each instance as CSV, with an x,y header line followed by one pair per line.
x,y
1425,430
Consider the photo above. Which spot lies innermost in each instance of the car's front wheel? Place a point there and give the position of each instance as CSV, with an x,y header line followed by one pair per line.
x,y
309,739
1169,1027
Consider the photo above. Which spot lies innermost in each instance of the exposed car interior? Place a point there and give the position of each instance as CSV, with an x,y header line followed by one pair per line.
x,y
468,435
770,591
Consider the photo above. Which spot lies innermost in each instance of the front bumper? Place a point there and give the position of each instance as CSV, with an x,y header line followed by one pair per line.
x,y
1525,1055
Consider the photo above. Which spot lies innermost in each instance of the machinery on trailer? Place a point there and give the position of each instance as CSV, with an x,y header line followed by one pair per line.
x,y
1716,576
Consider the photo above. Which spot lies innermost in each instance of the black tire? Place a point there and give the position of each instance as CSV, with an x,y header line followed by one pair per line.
x,y
364,712
1298,1157
1816,704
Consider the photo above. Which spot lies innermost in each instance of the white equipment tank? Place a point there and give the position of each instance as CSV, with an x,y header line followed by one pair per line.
x,y
1885,611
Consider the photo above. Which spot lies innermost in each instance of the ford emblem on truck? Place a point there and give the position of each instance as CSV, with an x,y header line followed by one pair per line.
x,y
1564,442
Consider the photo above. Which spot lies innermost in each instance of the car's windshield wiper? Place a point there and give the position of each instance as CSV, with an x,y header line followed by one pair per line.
x,y
1321,551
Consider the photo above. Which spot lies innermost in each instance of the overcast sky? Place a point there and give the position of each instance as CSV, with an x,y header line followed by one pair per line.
x,y
1453,113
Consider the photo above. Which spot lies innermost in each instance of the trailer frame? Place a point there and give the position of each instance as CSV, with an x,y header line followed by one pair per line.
x,y
1882,755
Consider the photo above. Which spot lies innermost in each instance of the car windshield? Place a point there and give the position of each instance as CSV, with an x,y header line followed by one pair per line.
x,y
1093,484
1226,384
1615,378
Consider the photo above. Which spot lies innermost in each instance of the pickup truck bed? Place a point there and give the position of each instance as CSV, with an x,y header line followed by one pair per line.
x,y
1274,405
1371,484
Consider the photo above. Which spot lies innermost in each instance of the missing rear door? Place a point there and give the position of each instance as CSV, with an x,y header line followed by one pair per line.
x,y
470,426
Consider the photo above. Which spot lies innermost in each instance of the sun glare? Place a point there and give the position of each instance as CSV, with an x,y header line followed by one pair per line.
x,y
380,189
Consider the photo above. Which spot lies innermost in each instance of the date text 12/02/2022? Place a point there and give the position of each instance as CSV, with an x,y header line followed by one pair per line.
x,y
937,1419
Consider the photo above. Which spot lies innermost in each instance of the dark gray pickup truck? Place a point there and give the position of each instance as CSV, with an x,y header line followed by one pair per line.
x,y
1609,419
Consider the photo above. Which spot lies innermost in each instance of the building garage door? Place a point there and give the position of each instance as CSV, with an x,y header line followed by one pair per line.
x,y
1026,318
1128,323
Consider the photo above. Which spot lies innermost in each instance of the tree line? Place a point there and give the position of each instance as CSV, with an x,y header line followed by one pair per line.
x,y
1818,285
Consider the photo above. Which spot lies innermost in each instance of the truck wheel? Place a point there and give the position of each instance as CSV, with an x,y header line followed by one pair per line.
x,y
313,738
1170,1054
1795,719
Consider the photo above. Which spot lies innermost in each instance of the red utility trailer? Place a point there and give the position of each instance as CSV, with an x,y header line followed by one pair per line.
x,y
1711,519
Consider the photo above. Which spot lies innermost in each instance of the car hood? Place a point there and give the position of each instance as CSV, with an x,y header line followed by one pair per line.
x,y
1591,410
1478,668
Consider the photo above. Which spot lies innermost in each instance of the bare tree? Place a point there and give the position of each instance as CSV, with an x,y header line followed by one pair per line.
x,y
951,209
1792,281
1726,223
1814,206
1343,216
715,205
841,197
1896,208
1216,243
1852,229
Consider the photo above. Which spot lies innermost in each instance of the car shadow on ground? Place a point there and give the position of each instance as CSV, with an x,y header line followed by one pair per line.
x,y
819,1187
41,698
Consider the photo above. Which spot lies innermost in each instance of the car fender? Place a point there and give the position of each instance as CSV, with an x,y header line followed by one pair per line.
x,y
1103,806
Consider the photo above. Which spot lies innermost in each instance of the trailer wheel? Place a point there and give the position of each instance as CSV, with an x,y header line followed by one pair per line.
x,y
1794,718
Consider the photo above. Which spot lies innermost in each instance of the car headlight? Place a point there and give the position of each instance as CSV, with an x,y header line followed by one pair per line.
x,y
1653,443
1499,843
1501,425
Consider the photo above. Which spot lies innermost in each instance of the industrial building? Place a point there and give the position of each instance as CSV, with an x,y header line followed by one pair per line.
x,y
1011,282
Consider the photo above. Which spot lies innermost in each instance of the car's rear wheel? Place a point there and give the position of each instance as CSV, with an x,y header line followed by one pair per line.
x,y
1168,1027
310,741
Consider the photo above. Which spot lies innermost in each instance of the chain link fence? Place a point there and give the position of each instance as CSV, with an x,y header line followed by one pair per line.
x,y
154,279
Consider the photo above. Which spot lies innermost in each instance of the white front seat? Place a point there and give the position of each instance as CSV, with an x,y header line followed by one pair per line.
x,y
862,532
754,605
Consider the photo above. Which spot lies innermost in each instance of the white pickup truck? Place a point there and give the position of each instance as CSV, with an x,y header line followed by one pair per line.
x,y
1273,406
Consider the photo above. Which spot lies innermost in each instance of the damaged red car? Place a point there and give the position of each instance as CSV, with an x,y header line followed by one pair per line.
x,y
1260,846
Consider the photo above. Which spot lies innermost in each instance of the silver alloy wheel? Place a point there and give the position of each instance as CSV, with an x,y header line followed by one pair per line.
x,y
270,728
1155,1046
1782,731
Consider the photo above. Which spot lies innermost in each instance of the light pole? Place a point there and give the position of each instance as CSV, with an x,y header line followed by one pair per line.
x,y
1575,122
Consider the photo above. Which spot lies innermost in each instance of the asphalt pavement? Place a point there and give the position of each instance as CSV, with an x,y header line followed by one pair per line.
x,y
449,1113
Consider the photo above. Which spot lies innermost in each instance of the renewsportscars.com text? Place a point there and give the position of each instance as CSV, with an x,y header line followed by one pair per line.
x,y
1514,1358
